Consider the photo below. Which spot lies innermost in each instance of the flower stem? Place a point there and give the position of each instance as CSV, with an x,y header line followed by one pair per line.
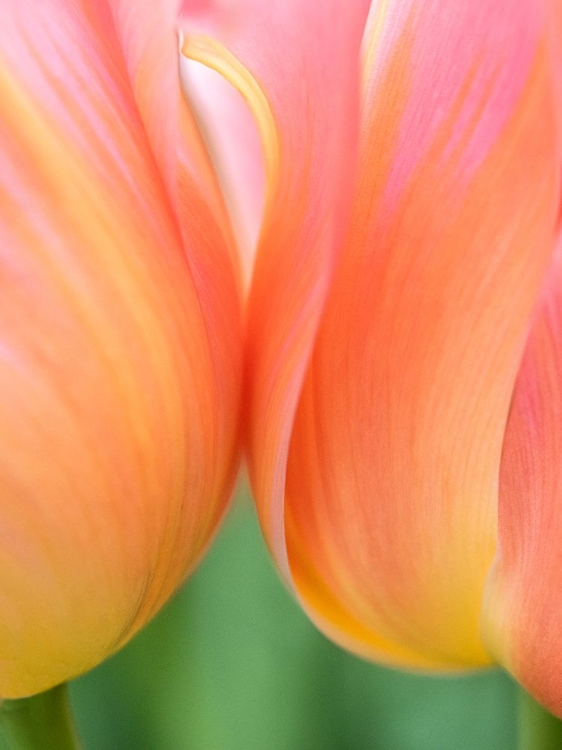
x,y
538,728
41,722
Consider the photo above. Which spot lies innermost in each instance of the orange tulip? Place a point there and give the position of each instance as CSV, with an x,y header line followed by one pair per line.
x,y
120,333
407,291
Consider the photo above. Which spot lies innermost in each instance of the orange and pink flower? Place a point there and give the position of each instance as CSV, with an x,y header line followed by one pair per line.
x,y
405,322
120,333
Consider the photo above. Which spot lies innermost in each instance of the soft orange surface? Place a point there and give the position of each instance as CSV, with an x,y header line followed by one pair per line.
x,y
120,335
392,473
383,512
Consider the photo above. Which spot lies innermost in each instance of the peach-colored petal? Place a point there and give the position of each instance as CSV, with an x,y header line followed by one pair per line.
x,y
120,340
523,613
391,495
300,75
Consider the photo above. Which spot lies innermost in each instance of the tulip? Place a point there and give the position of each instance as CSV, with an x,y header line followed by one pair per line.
x,y
405,323
120,333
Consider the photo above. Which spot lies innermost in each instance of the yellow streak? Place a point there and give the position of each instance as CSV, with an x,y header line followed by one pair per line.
x,y
372,37
209,52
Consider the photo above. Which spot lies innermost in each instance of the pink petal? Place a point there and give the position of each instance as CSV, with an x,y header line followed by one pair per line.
x,y
523,615
234,142
120,337
391,495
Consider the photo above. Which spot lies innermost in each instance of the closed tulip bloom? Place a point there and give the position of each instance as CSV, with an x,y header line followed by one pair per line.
x,y
405,425
120,333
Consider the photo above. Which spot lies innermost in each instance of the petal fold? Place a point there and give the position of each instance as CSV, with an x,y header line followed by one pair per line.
x,y
304,66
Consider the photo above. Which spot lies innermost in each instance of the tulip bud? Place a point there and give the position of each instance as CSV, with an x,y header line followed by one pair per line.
x,y
120,334
401,259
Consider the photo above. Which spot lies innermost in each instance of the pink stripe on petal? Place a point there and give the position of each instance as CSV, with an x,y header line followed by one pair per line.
x,y
523,607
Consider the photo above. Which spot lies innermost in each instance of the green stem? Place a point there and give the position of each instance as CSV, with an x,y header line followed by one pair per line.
x,y
538,729
41,722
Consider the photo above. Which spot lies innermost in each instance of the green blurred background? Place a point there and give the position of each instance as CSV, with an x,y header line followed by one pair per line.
x,y
232,663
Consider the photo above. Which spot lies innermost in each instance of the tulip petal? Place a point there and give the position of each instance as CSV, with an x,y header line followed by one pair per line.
x,y
301,80
233,140
523,613
391,495
120,341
